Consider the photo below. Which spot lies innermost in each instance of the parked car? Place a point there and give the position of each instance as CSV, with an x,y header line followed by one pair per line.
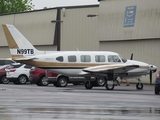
x,y
157,86
6,61
38,76
3,78
62,80
18,73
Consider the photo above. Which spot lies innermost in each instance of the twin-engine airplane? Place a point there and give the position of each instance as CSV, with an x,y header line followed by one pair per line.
x,y
88,64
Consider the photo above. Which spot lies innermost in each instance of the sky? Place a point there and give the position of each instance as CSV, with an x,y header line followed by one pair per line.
x,y
40,4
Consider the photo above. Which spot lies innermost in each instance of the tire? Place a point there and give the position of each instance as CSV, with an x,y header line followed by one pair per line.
x,y
109,87
156,90
101,81
43,81
88,85
62,81
139,86
22,79
4,80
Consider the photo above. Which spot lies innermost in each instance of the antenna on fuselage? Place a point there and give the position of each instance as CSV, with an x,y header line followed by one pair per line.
x,y
76,48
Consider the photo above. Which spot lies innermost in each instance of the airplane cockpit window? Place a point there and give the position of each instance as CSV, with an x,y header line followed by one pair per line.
x,y
72,58
100,58
123,59
113,58
60,58
85,58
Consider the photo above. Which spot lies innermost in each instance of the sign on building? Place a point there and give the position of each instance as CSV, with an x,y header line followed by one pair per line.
x,y
129,17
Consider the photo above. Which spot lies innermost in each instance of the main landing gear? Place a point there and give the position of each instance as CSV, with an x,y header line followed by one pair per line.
x,y
102,81
139,85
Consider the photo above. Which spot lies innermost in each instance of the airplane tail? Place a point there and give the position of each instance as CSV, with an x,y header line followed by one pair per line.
x,y
20,47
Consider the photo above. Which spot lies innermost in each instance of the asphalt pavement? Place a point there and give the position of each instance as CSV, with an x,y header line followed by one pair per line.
x,y
31,102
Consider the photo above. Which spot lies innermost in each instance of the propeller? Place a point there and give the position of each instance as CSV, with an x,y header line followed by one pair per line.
x,y
131,57
150,76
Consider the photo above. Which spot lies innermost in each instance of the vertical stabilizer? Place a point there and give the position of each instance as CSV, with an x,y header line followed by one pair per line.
x,y
19,46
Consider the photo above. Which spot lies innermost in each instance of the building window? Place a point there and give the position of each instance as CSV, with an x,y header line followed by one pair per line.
x,y
100,58
60,59
113,58
72,58
85,58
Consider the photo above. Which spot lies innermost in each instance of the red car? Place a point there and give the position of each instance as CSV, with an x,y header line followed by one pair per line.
x,y
3,78
38,76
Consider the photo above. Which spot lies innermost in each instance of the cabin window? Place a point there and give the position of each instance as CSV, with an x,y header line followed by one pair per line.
x,y
113,58
60,59
100,58
72,58
85,58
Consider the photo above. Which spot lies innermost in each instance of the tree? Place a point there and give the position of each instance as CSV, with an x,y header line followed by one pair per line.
x,y
9,6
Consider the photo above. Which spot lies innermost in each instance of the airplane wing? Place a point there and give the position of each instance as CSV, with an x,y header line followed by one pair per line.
x,y
117,68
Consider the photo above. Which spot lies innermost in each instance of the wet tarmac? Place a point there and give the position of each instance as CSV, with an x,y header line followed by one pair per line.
x,y
30,102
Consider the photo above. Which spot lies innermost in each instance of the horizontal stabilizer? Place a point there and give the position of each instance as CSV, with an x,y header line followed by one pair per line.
x,y
19,59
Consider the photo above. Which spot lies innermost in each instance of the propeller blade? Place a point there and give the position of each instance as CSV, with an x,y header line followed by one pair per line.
x,y
131,57
150,77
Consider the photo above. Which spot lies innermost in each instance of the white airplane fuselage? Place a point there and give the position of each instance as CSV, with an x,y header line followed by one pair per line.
x,y
73,62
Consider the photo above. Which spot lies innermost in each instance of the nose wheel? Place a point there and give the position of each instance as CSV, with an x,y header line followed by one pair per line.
x,y
139,85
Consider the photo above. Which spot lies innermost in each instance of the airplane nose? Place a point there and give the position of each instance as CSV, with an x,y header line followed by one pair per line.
x,y
153,68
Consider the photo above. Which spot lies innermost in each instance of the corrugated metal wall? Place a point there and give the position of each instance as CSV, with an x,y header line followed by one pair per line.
x,y
142,39
77,30
111,19
143,50
4,20
36,26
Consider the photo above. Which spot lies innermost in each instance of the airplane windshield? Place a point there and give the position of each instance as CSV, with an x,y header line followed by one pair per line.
x,y
113,58
123,59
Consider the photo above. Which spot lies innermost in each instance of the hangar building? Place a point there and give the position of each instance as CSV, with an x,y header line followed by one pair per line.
x,y
123,26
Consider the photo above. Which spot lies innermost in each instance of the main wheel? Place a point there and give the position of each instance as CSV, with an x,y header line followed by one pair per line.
x,y
156,90
62,81
139,86
43,81
4,80
88,85
100,81
109,86
22,79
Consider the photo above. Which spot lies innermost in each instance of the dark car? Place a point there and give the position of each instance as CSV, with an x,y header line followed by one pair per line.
x,y
38,76
3,78
157,86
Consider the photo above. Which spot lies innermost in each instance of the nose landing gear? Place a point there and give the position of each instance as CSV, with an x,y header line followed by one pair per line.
x,y
139,85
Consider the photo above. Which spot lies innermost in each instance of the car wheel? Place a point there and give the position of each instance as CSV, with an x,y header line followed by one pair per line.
x,y
62,81
43,81
88,85
156,90
22,79
4,80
